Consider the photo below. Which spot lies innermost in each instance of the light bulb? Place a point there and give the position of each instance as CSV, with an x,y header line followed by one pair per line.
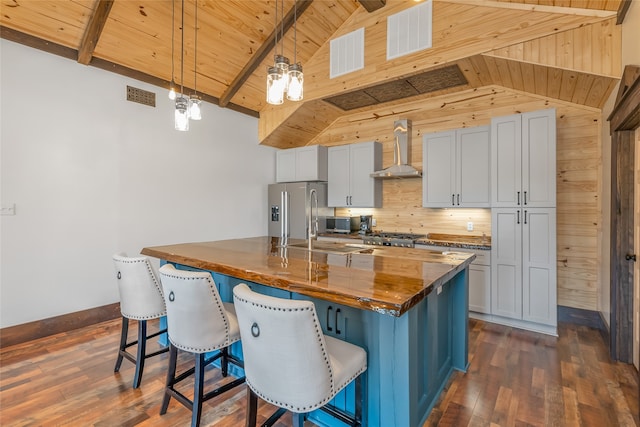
x,y
172,91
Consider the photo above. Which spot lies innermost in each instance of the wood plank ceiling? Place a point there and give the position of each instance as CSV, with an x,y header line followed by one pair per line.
x,y
561,49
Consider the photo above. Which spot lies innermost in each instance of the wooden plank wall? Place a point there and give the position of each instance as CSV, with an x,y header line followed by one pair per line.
x,y
579,172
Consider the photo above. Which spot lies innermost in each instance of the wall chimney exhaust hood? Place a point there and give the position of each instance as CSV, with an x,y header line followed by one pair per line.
x,y
401,154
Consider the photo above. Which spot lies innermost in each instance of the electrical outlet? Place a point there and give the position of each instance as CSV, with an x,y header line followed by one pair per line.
x,y
374,222
469,226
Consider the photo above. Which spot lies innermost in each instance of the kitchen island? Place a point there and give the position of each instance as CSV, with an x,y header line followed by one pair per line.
x,y
407,307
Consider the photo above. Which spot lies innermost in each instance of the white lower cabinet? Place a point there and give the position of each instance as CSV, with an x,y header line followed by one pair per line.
x,y
479,276
523,267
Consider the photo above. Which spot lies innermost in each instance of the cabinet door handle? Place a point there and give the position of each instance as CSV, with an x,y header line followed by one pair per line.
x,y
518,219
328,319
338,331
453,200
525,198
518,198
525,217
458,196
350,200
630,257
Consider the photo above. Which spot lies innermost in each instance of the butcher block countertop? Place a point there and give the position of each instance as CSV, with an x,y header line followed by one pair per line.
x,y
388,280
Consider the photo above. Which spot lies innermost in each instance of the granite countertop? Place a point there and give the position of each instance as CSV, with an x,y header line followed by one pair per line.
x,y
388,280
457,241
463,241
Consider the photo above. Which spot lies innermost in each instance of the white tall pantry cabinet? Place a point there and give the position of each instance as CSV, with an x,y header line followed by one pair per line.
x,y
523,220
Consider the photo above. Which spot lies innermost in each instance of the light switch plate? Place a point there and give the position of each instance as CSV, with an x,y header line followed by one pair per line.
x,y
8,209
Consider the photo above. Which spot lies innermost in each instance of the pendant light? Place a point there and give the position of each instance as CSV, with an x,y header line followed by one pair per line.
x,y
172,86
283,77
277,74
182,102
195,102
295,76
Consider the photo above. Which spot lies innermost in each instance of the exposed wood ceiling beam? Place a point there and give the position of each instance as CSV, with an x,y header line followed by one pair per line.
x,y
93,31
622,11
537,8
372,5
281,28
626,113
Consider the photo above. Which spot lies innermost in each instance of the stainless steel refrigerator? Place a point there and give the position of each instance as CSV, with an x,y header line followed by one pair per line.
x,y
289,206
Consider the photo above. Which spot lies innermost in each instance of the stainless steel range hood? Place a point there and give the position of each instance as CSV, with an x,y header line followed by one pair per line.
x,y
401,154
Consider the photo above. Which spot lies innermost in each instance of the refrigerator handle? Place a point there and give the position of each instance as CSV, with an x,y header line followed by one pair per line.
x,y
285,211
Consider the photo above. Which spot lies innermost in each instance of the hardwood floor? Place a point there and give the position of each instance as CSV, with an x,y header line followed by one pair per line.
x,y
516,378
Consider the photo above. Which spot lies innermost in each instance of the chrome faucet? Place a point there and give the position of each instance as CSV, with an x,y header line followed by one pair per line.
x,y
313,224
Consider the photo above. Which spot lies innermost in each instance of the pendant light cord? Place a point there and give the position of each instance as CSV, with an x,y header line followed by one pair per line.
x,y
195,53
173,29
295,31
282,27
182,54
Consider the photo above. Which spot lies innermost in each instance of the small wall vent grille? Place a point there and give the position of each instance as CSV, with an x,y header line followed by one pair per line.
x,y
347,53
141,96
409,31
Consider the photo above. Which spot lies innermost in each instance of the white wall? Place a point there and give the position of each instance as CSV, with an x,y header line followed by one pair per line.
x,y
91,174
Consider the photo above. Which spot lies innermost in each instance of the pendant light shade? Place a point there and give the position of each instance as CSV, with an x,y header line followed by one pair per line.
x,y
275,84
182,113
296,82
194,107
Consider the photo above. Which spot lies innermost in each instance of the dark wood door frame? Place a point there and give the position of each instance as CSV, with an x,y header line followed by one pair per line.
x,y
624,120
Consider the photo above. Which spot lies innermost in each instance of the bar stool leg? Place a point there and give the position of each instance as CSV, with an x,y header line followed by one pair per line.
x,y
252,408
123,343
171,376
198,389
224,362
298,420
142,351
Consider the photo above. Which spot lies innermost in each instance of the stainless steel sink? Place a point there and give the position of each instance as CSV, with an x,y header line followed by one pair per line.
x,y
329,247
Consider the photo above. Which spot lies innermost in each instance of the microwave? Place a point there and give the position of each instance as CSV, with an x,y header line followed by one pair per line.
x,y
343,224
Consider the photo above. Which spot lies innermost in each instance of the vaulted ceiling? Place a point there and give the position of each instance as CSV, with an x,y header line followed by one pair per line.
x,y
567,50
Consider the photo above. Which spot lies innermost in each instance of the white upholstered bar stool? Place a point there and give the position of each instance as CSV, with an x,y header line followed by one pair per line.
x,y
141,299
290,363
198,322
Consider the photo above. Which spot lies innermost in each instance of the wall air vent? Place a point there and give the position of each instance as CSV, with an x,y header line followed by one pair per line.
x,y
409,31
141,96
418,84
347,53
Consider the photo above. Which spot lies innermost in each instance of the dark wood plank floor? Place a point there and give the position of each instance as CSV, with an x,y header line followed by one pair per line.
x,y
516,378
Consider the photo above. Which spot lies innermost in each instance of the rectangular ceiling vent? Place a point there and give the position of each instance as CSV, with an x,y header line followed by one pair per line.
x,y
141,96
409,31
347,53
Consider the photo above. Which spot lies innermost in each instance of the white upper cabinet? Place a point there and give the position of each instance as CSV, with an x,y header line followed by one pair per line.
x,y
523,160
456,171
349,175
302,164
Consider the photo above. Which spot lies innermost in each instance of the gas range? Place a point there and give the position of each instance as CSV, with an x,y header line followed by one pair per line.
x,y
405,240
